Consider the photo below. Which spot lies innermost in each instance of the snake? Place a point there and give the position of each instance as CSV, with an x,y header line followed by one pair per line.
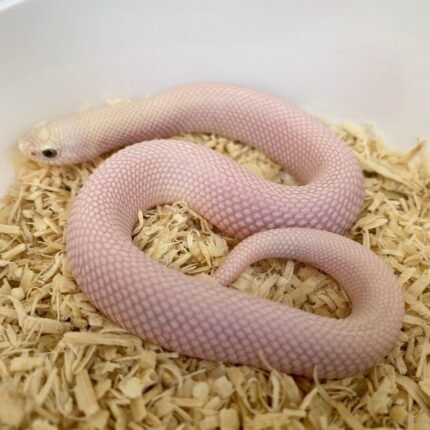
x,y
304,223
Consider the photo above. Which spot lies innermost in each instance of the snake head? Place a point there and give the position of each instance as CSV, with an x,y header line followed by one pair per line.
x,y
42,144
50,143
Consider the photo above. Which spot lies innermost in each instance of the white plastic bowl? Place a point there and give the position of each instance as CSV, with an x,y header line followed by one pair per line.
x,y
366,61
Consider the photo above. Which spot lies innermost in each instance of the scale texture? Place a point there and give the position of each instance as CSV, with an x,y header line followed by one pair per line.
x,y
189,315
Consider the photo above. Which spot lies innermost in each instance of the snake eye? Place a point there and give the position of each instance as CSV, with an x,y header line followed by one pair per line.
x,y
49,153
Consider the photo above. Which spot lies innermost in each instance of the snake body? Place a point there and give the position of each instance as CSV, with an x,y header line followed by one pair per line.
x,y
187,314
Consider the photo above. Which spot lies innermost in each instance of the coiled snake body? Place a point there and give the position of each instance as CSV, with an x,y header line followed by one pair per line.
x,y
189,315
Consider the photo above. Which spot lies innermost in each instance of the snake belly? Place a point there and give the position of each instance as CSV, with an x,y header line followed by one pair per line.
x,y
193,317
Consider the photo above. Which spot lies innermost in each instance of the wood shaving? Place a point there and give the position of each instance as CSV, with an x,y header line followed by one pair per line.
x,y
64,366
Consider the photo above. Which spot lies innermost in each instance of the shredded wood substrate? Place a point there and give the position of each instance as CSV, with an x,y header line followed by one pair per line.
x,y
65,366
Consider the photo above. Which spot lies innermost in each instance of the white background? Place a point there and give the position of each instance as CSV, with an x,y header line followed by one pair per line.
x,y
362,60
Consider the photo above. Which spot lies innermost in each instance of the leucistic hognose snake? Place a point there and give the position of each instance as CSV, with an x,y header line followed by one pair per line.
x,y
187,314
